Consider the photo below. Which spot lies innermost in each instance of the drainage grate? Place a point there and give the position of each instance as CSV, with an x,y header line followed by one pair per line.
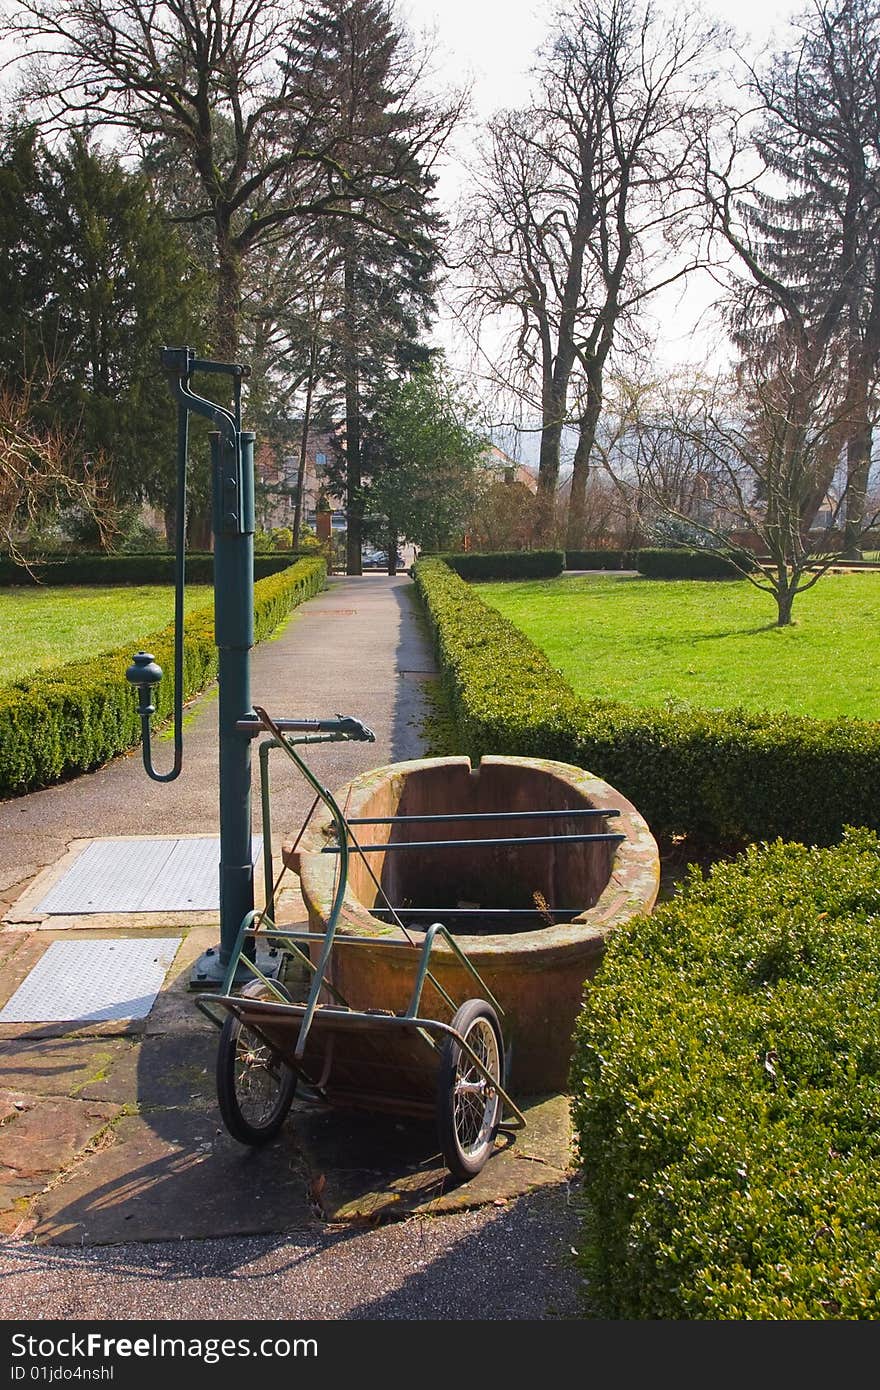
x,y
93,981
141,876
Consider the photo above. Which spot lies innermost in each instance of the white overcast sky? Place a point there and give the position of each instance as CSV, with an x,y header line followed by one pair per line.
x,y
491,44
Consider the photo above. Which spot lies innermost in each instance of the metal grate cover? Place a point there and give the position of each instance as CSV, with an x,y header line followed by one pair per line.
x,y
141,876
93,981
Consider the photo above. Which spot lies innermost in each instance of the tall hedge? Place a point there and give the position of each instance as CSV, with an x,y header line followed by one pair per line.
x,y
726,1095
691,564
70,720
724,777
127,569
600,559
506,564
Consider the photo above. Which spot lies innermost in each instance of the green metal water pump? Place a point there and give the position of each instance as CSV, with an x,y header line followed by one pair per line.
x,y
232,481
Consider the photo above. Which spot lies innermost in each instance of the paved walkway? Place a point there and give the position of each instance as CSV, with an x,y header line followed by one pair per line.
x,y
111,1132
358,648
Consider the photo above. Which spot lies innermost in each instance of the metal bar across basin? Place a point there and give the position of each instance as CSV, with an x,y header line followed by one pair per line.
x,y
483,911
480,815
457,844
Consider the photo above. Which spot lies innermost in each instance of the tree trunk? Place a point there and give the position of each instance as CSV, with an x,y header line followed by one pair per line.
x,y
586,438
354,501
228,324
303,449
858,464
392,550
226,329
548,475
858,437
785,594
858,450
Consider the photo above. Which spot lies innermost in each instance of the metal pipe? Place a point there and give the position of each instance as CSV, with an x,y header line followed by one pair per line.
x,y
458,844
438,929
266,822
479,815
147,708
482,911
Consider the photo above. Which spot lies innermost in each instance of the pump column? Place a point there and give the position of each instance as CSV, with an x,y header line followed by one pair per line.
x,y
234,635
232,472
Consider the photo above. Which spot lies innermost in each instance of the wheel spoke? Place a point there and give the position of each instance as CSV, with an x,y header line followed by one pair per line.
x,y
475,1100
257,1080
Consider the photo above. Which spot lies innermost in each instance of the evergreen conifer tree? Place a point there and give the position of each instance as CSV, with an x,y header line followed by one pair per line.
x,y
97,283
355,72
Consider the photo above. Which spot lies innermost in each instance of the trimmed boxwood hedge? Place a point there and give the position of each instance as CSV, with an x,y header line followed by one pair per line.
x,y
155,568
690,564
726,1095
601,559
72,719
506,564
723,777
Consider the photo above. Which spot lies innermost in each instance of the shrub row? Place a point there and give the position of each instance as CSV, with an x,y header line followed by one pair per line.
x,y
726,1095
601,559
72,719
546,564
127,569
506,564
723,777
690,564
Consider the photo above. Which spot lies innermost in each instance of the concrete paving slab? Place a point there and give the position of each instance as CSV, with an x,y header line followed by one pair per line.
x,y
374,1167
40,1136
74,1067
175,1007
174,1174
159,1072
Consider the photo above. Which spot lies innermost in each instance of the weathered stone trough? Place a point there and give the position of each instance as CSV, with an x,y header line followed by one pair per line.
x,y
537,971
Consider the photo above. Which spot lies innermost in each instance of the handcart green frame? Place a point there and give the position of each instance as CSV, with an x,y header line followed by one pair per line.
x,y
405,1063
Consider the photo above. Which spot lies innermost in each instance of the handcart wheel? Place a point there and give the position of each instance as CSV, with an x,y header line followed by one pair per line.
x,y
468,1106
254,1087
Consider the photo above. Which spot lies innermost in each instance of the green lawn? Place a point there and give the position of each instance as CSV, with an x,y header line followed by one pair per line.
x,y
42,628
649,641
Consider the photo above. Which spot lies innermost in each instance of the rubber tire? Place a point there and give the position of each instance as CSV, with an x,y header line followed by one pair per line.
x,y
238,1125
459,1163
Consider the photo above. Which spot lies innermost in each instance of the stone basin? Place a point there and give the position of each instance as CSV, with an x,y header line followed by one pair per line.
x,y
536,970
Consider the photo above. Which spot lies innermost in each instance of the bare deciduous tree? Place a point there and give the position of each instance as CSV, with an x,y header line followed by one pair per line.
x,y
739,462
581,208
233,89
40,474
820,136
805,228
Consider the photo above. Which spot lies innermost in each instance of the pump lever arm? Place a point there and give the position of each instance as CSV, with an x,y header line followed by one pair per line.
x,y
343,727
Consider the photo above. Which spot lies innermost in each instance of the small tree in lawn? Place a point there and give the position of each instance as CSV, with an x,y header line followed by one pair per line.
x,y
769,446
425,452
